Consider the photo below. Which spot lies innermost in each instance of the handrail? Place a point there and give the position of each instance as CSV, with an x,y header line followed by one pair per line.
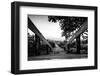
x,y
78,32
34,29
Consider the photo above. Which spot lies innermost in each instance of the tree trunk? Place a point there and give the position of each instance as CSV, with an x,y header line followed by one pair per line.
x,y
78,44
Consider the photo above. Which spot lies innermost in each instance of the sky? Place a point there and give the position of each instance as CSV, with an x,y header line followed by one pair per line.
x,y
48,29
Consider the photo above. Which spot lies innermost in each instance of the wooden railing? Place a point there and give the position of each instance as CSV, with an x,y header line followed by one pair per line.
x,y
34,29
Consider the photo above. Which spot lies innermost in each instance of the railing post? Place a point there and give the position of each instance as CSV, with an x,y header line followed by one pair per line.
x,y
37,41
78,44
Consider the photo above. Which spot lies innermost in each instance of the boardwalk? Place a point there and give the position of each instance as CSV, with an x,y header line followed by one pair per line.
x,y
58,53
57,49
61,55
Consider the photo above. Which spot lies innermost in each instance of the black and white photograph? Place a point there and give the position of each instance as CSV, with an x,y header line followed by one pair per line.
x,y
57,37
53,37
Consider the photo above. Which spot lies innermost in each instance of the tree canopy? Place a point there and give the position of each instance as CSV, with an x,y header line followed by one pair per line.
x,y
68,24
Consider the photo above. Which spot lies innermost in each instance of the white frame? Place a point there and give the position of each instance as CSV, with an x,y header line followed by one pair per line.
x,y
25,64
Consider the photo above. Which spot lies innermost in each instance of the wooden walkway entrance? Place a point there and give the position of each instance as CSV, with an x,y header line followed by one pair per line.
x,y
56,49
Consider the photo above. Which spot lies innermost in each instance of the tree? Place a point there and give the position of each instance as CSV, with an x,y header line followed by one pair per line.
x,y
69,25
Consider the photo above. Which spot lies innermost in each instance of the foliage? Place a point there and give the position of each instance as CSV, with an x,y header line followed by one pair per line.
x,y
68,24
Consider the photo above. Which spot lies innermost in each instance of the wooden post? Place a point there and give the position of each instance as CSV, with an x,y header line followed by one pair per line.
x,y
47,49
78,44
37,41
68,50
